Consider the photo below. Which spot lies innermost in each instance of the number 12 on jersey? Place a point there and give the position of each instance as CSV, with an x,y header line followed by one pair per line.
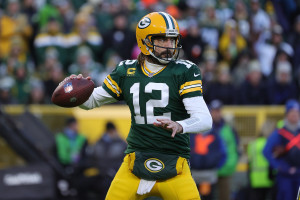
x,y
151,103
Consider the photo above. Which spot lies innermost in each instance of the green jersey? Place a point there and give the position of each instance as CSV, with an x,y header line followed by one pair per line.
x,y
155,96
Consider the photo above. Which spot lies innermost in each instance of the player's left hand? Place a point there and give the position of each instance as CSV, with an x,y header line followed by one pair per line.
x,y
169,125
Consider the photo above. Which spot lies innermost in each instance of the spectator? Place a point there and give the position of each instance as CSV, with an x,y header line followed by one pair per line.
x,y
282,87
268,49
209,66
222,88
106,155
210,26
66,14
193,44
70,144
259,178
54,77
239,68
259,20
6,96
208,153
119,38
294,41
51,37
230,137
85,65
71,153
45,13
282,152
13,24
241,16
253,89
223,11
109,151
231,42
17,54
21,88
37,92
285,12
84,33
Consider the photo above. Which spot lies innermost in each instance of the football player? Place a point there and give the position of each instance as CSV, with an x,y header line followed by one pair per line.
x,y
164,95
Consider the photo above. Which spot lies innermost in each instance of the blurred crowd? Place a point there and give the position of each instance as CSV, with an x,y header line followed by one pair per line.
x,y
247,50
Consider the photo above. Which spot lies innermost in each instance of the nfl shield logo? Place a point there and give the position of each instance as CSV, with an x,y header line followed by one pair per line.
x,y
68,87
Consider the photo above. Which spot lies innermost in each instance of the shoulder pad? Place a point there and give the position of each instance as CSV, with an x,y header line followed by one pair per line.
x,y
127,63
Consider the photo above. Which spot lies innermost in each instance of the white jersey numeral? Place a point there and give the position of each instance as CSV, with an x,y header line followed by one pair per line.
x,y
187,63
150,104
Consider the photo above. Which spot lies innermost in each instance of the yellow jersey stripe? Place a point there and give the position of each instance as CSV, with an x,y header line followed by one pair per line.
x,y
114,84
191,90
147,72
110,87
144,71
190,83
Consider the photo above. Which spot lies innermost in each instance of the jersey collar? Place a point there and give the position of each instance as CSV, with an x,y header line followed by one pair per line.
x,y
148,73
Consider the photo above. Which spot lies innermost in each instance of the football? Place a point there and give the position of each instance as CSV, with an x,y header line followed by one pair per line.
x,y
72,92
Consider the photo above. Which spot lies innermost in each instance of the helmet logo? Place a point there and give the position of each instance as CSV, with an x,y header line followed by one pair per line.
x,y
154,165
144,23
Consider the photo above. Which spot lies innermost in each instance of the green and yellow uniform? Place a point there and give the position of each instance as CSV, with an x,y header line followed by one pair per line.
x,y
150,97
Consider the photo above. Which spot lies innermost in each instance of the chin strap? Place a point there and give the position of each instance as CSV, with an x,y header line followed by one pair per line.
x,y
145,186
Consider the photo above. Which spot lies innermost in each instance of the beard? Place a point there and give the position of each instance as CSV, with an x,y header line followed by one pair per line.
x,y
165,54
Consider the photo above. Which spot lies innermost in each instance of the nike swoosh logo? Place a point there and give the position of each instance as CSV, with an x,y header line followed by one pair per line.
x,y
195,75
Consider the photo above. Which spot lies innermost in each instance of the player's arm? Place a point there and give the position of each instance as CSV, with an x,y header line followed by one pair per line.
x,y
200,119
98,98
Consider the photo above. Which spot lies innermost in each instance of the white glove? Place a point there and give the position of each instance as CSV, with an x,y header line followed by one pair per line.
x,y
145,186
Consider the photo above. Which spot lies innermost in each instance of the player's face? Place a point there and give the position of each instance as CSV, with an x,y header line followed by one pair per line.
x,y
166,42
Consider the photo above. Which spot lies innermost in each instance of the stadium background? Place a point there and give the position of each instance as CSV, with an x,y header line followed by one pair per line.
x,y
28,47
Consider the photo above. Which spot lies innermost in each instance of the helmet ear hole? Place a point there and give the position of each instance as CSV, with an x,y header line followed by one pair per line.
x,y
147,41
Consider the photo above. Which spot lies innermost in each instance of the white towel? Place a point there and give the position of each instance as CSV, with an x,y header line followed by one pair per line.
x,y
145,186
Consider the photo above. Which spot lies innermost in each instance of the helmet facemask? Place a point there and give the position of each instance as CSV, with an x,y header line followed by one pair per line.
x,y
170,52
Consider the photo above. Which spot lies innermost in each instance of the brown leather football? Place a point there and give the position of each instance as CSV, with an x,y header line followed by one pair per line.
x,y
72,92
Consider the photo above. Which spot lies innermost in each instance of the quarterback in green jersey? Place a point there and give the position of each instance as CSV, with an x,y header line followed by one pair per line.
x,y
164,95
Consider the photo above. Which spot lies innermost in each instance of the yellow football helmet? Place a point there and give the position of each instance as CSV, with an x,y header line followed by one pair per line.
x,y
157,24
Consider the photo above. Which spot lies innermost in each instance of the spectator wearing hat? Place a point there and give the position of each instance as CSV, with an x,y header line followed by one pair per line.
x,y
252,90
282,87
282,151
230,138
